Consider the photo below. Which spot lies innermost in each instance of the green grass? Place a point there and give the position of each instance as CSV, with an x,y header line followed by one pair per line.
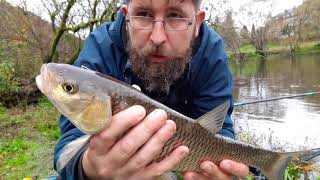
x,y
312,47
309,47
249,178
28,136
304,48
247,49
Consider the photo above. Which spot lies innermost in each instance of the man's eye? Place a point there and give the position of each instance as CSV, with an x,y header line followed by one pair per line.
x,y
174,15
144,14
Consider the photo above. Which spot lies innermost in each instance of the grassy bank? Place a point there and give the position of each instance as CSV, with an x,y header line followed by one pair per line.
x,y
304,48
249,51
28,136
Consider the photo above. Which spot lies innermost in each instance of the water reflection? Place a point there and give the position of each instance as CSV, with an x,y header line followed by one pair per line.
x,y
292,123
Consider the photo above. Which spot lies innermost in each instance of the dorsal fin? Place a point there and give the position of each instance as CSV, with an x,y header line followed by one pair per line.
x,y
213,120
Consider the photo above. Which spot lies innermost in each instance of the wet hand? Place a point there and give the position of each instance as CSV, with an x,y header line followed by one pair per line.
x,y
226,170
125,149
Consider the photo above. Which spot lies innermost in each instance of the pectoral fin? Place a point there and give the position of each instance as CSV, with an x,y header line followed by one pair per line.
x,y
214,119
97,115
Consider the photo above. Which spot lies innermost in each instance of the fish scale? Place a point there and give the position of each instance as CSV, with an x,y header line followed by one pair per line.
x,y
100,96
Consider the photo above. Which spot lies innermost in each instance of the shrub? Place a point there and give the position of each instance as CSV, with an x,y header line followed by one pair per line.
x,y
8,85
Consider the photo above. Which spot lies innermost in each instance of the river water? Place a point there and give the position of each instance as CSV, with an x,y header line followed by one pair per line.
x,y
288,124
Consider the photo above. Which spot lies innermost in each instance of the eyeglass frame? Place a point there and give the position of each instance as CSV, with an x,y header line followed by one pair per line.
x,y
189,21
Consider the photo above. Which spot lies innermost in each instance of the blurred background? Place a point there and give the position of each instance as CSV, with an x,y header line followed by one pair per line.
x,y
273,49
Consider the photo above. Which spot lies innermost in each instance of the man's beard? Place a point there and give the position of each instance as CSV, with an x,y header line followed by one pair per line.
x,y
157,77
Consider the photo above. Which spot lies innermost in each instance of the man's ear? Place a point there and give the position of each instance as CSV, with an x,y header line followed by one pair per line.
x,y
199,19
124,10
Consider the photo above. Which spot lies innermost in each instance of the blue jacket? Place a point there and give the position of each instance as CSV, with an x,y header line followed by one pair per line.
x,y
206,83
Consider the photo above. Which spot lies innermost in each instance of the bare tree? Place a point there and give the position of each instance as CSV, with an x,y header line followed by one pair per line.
x,y
25,29
220,18
258,20
293,28
214,9
32,41
24,45
258,40
74,16
228,31
296,25
244,35
232,38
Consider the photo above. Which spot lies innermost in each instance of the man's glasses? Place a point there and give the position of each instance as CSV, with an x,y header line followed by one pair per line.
x,y
170,24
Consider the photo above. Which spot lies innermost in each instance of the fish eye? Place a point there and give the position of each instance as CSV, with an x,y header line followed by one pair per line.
x,y
70,88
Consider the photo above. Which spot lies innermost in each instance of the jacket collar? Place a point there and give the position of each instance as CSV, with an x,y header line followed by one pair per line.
x,y
117,31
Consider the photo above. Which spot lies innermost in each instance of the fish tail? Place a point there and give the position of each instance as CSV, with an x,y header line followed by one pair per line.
x,y
278,167
70,150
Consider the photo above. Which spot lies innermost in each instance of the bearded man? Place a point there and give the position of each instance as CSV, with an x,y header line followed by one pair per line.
x,y
165,48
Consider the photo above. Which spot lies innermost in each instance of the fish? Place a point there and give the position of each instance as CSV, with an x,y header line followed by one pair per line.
x,y
89,99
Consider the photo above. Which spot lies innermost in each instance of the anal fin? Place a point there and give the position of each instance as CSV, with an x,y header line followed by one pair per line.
x,y
167,176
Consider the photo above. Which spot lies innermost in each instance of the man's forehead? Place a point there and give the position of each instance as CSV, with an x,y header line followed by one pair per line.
x,y
165,3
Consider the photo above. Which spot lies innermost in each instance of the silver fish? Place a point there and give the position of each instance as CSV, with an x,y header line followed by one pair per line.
x,y
89,99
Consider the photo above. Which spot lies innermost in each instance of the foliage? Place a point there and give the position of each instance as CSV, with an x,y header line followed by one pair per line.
x,y
15,152
63,15
317,46
47,126
249,178
292,172
179,175
295,26
8,84
20,57
227,31
28,135
27,41
273,48
247,48
5,51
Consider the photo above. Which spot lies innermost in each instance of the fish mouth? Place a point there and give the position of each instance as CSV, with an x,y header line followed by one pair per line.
x,y
42,80
39,82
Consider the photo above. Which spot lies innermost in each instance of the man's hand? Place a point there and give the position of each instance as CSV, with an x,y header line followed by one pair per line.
x,y
125,149
226,170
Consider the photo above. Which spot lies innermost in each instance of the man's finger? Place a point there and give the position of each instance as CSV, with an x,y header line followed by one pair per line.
x,y
213,171
152,148
168,163
121,122
124,149
194,176
136,86
234,168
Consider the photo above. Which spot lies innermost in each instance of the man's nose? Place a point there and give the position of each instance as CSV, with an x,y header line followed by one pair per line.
x,y
158,35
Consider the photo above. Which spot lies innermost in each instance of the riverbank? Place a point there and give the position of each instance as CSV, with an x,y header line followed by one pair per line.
x,y
249,52
28,135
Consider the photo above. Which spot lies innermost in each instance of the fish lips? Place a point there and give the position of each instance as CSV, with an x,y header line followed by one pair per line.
x,y
43,82
39,83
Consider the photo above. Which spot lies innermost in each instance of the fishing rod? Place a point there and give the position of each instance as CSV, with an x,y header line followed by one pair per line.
x,y
277,98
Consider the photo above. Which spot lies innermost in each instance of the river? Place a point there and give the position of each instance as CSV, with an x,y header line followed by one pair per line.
x,y
288,124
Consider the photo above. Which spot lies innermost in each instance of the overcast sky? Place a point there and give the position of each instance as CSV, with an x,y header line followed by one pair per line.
x,y
278,7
